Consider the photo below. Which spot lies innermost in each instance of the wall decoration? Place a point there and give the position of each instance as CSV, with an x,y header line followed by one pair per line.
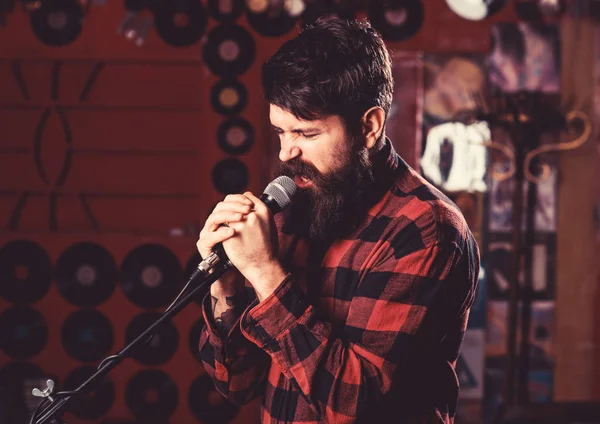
x,y
230,176
524,57
396,19
87,335
226,10
229,50
180,23
55,339
269,18
151,276
228,97
57,22
25,272
235,136
23,332
97,402
86,274
455,158
475,10
159,348
151,395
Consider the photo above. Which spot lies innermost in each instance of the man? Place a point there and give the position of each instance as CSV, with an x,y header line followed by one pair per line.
x,y
363,285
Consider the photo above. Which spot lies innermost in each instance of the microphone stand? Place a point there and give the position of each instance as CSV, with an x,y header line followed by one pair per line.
x,y
53,410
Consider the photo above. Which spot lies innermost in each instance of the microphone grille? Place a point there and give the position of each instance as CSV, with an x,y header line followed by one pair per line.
x,y
282,189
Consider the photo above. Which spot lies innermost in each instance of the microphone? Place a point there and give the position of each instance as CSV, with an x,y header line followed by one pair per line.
x,y
277,196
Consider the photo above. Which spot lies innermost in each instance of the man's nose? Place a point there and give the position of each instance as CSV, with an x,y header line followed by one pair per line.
x,y
289,150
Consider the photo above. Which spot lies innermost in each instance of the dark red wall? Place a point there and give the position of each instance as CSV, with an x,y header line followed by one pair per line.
x,y
105,142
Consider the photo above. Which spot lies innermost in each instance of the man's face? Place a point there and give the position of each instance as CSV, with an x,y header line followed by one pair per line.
x,y
330,168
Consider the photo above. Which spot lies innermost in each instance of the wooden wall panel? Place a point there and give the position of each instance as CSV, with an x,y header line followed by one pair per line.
x,y
577,369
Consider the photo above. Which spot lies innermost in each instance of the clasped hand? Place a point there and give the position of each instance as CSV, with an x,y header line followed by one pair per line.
x,y
245,227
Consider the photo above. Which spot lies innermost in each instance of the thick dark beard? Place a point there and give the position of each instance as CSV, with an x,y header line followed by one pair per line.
x,y
337,202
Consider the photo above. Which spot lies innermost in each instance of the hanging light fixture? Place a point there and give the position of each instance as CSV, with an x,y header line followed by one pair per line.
x,y
475,10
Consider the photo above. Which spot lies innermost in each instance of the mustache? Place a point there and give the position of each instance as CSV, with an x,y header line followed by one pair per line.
x,y
296,167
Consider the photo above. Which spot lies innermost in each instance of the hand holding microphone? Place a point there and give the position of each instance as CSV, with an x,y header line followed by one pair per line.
x,y
244,227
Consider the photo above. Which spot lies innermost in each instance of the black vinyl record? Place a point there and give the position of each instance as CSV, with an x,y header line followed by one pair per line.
x,y
180,23
139,5
207,404
316,9
87,335
228,97
25,272
151,276
194,339
230,176
95,403
17,379
57,22
151,395
226,10
23,332
86,274
397,19
157,349
270,20
235,136
229,50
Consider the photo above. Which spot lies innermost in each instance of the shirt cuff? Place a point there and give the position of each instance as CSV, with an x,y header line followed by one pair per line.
x,y
216,337
263,322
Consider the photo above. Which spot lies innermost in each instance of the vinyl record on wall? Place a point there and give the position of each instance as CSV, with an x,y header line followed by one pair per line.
x,y
95,403
57,22
230,176
397,19
207,404
86,274
160,347
17,379
151,395
226,10
87,335
25,272
269,18
151,276
235,136
194,339
316,9
138,5
229,50
180,23
228,97
23,332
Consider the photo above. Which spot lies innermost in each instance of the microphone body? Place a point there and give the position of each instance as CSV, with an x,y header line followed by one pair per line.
x,y
277,196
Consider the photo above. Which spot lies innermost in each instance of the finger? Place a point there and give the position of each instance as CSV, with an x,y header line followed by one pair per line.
x,y
238,198
258,204
216,219
233,207
208,240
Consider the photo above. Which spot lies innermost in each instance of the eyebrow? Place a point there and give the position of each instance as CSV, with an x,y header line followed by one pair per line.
x,y
299,130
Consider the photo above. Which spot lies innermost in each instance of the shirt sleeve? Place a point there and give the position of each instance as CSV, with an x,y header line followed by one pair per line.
x,y
342,375
237,366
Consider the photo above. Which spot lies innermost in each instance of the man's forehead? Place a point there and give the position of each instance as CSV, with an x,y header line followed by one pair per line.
x,y
283,119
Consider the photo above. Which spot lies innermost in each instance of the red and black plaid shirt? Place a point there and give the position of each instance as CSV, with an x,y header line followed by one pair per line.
x,y
374,334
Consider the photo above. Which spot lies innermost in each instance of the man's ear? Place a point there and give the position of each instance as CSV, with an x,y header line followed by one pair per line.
x,y
372,123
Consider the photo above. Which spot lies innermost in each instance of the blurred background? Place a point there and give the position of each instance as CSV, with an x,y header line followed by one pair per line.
x,y
122,124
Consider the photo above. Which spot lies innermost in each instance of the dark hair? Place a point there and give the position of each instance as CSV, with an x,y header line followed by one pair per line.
x,y
333,67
